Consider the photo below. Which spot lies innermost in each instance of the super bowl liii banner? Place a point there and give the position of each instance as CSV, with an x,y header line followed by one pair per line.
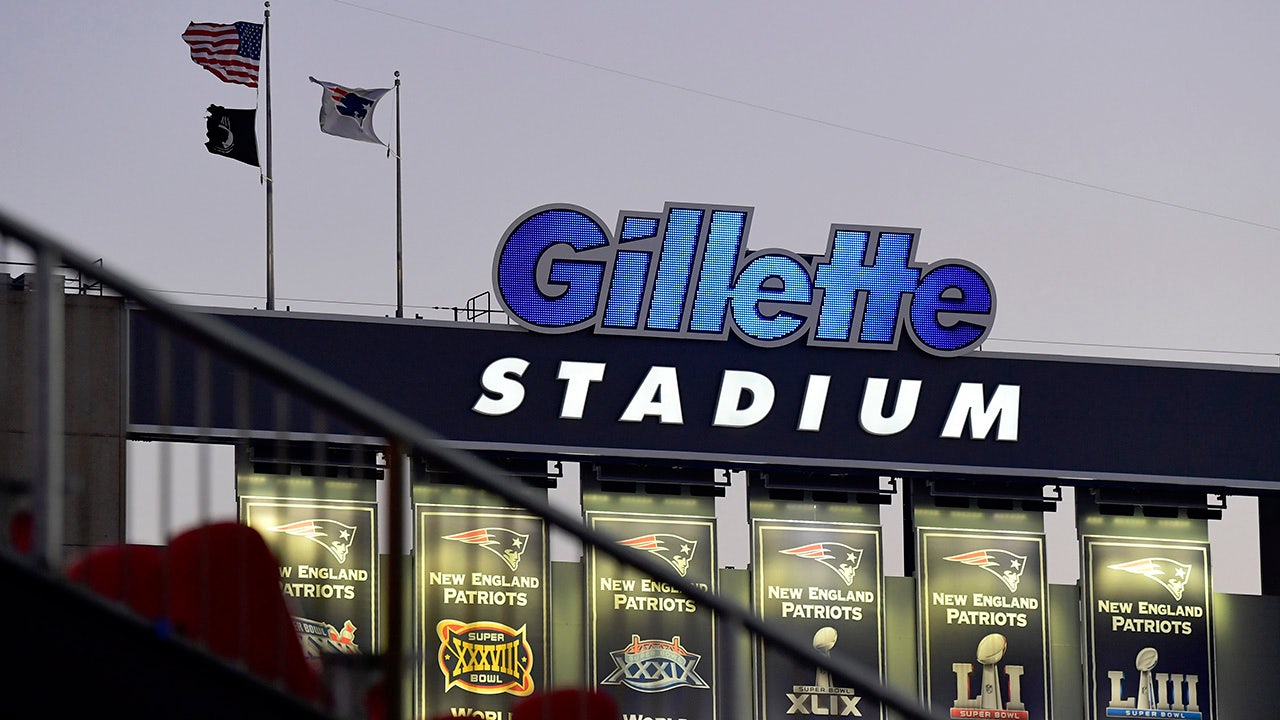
x,y
983,625
653,649
327,551
818,580
1148,627
483,609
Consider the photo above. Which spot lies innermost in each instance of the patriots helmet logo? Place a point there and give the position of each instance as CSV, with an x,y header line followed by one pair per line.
x,y
1003,564
352,105
677,551
328,534
1171,574
841,558
503,542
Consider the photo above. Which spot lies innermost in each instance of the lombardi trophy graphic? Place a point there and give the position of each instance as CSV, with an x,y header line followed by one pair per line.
x,y
1146,660
823,641
990,651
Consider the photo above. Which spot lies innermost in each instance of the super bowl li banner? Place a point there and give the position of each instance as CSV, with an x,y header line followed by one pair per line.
x,y
327,552
818,580
1148,629
653,649
983,625
483,608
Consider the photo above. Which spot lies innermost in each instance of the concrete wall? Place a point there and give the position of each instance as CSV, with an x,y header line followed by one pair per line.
x,y
95,390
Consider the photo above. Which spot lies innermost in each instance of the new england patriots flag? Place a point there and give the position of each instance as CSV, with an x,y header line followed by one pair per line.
x,y
348,112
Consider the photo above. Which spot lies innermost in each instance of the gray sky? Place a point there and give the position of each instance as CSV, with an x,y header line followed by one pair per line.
x,y
1111,166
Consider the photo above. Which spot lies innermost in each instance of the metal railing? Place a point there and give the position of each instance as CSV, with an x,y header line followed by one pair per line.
x,y
45,475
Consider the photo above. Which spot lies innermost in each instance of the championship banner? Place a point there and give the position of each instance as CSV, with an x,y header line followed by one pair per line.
x,y
819,580
652,648
983,625
483,607
1148,628
327,551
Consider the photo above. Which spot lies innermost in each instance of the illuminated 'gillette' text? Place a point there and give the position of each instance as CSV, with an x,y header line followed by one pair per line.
x,y
686,273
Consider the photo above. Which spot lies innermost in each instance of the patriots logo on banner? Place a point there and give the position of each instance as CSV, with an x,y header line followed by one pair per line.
x,y
677,551
1171,574
1001,563
841,558
328,534
506,544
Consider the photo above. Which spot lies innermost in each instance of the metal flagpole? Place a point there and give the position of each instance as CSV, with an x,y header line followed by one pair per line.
x,y
399,223
271,281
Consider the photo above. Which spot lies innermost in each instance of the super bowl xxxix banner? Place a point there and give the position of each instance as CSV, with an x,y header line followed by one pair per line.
x,y
483,604
652,648
983,629
818,580
1148,628
327,551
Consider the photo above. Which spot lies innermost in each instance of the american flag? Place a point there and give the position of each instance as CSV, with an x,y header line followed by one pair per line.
x,y
229,51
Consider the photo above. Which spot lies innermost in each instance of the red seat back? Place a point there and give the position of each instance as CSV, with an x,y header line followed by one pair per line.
x,y
129,574
224,588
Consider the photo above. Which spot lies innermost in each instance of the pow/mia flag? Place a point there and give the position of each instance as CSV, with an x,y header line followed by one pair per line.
x,y
232,134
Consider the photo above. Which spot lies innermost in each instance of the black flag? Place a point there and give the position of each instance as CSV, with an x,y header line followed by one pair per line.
x,y
232,134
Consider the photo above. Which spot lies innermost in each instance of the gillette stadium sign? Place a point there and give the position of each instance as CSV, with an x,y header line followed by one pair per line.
x,y
599,360
686,273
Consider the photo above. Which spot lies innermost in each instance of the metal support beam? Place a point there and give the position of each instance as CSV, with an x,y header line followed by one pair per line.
x,y
47,363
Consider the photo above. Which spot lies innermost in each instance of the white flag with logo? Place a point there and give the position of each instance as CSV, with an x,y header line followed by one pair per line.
x,y
348,112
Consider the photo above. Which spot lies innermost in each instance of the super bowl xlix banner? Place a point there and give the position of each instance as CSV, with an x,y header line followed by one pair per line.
x,y
1148,629
653,648
823,581
328,561
983,628
483,608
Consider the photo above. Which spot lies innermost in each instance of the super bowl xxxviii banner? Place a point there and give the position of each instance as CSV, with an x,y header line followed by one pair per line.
x,y
1148,625
653,649
983,625
327,551
819,580
483,604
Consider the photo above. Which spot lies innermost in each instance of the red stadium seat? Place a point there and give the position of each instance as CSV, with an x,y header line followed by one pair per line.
x,y
129,574
224,593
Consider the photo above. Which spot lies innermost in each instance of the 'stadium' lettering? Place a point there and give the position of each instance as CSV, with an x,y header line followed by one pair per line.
x,y
686,273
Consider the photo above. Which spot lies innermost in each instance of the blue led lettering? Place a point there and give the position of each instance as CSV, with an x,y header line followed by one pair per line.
x,y
715,278
570,296
771,278
626,290
630,269
867,296
678,248
952,307
550,269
